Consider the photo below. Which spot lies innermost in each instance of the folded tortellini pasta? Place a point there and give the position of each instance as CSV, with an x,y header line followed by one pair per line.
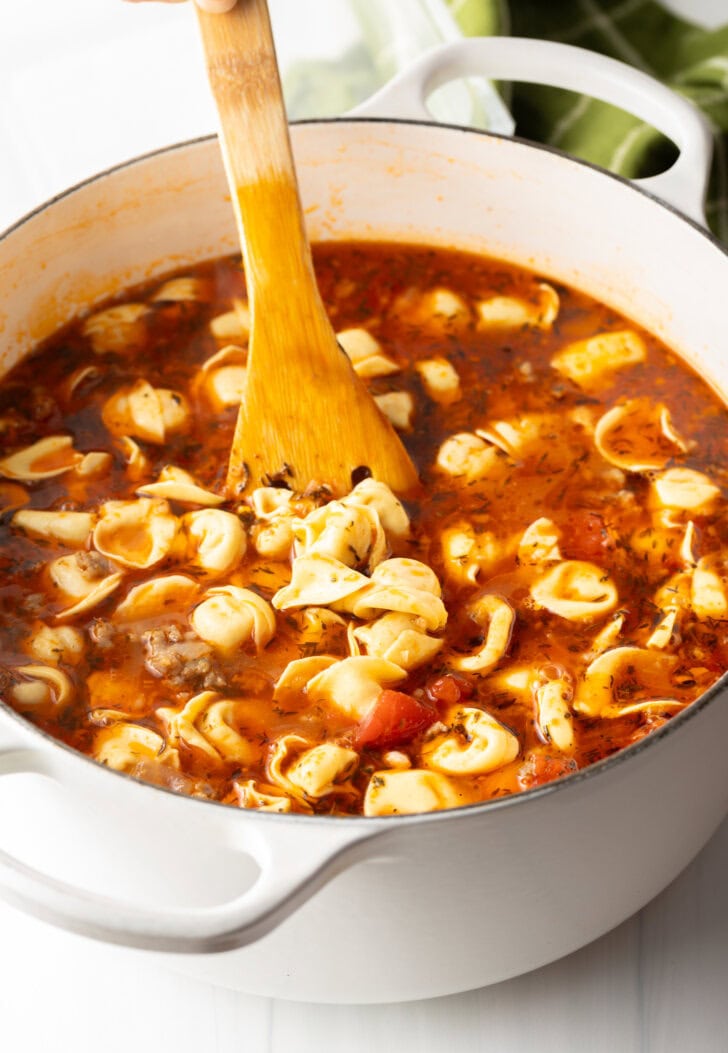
x,y
399,638
496,616
366,354
352,685
45,459
576,590
411,791
522,435
229,617
438,309
311,772
638,436
474,743
469,554
685,489
68,528
41,686
709,589
468,457
645,672
184,289
145,412
81,581
317,581
222,377
400,584
440,379
53,644
595,360
251,794
206,724
232,326
169,593
175,484
117,330
125,746
136,534
371,493
215,541
538,309
398,407
554,713
539,542
351,534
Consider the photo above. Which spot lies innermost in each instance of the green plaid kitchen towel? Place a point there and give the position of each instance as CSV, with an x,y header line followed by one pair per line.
x,y
388,34
691,60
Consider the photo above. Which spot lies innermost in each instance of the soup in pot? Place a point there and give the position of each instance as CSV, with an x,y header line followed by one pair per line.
x,y
555,591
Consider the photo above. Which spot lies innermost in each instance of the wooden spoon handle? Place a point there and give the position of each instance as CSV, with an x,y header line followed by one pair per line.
x,y
306,418
256,147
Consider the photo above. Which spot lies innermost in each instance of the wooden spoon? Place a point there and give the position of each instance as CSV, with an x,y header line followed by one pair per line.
x,y
306,417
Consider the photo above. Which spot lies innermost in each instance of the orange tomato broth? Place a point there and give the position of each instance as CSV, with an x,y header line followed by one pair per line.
x,y
503,373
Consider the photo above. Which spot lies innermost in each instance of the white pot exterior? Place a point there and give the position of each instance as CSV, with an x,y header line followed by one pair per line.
x,y
434,904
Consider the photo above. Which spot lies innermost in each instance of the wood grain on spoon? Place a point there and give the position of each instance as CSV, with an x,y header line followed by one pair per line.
x,y
306,417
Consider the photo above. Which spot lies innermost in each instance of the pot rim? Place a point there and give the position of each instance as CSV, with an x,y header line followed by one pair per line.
x,y
462,811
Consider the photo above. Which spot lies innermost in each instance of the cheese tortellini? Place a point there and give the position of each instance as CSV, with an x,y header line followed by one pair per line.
x,y
216,541
553,588
311,772
230,617
70,528
352,685
469,554
468,457
51,644
399,638
126,746
353,535
638,436
45,459
403,585
411,791
366,354
595,360
222,377
206,724
496,616
136,534
540,309
81,581
575,590
147,413
474,743
117,330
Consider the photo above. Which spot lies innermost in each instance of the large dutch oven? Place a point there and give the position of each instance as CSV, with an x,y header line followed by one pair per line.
x,y
381,909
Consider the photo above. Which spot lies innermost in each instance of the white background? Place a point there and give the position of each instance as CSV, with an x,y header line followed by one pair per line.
x,y
86,83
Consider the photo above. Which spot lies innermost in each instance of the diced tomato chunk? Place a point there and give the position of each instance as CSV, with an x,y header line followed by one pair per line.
x,y
394,719
650,725
586,536
449,689
540,768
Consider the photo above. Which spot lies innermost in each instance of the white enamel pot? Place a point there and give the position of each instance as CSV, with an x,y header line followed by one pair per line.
x,y
364,910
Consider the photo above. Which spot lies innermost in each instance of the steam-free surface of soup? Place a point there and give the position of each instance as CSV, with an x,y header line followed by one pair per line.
x,y
555,591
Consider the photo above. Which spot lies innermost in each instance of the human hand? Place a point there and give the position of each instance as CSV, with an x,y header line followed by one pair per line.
x,y
215,7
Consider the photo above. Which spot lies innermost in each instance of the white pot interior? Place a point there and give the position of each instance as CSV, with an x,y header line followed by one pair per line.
x,y
377,181
416,183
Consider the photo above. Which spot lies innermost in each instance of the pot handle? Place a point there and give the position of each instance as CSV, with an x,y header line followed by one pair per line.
x,y
577,69
293,867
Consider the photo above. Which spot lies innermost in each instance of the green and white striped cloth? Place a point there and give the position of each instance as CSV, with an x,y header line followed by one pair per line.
x,y
390,33
691,60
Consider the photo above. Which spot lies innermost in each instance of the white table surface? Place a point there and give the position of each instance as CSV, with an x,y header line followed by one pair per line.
x,y
82,85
